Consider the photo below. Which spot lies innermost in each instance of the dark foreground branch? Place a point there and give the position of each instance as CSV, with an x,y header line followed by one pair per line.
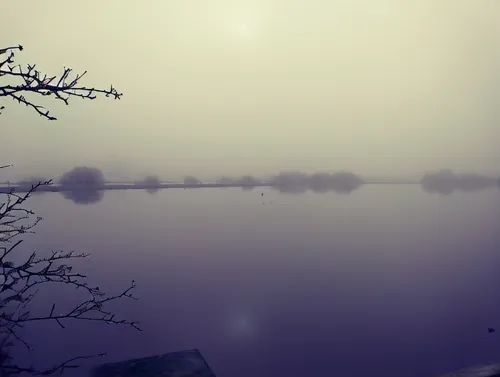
x,y
10,370
15,219
31,80
22,279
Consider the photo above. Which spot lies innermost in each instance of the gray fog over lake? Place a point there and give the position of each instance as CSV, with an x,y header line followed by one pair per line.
x,y
385,281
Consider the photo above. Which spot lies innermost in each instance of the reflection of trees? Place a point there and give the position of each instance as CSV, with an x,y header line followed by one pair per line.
x,y
290,182
84,196
445,182
287,179
296,182
473,182
345,182
151,182
443,190
320,182
294,190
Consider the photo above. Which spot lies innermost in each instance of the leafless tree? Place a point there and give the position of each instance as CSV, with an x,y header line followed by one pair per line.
x,y
29,81
21,279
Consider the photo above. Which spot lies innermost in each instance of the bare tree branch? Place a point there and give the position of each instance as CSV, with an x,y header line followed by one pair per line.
x,y
15,370
22,279
33,81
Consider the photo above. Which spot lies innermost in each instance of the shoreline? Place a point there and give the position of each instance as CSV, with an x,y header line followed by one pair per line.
x,y
109,187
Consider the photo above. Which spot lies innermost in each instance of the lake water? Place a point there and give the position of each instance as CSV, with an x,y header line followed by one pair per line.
x,y
386,281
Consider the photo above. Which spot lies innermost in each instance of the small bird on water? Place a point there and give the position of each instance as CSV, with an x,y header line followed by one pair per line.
x,y
490,330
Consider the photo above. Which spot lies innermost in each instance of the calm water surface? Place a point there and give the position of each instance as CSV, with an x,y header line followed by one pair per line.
x,y
388,280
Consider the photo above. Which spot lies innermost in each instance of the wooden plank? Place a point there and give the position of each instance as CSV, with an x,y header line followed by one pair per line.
x,y
177,364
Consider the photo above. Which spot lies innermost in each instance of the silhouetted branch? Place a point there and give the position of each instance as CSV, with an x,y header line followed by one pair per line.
x,y
36,82
21,281
13,216
14,370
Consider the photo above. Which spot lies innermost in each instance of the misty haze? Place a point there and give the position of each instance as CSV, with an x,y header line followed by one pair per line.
x,y
294,188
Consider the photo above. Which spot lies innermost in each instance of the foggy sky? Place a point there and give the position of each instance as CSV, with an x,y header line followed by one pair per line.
x,y
255,87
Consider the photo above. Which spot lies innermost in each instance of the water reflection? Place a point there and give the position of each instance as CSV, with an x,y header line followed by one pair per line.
x,y
308,287
151,184
297,190
296,182
446,182
92,196
84,196
294,190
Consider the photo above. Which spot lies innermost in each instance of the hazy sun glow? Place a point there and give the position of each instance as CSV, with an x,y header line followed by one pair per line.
x,y
244,22
245,29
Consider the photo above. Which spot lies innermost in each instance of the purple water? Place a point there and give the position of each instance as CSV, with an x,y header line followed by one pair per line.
x,y
387,281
